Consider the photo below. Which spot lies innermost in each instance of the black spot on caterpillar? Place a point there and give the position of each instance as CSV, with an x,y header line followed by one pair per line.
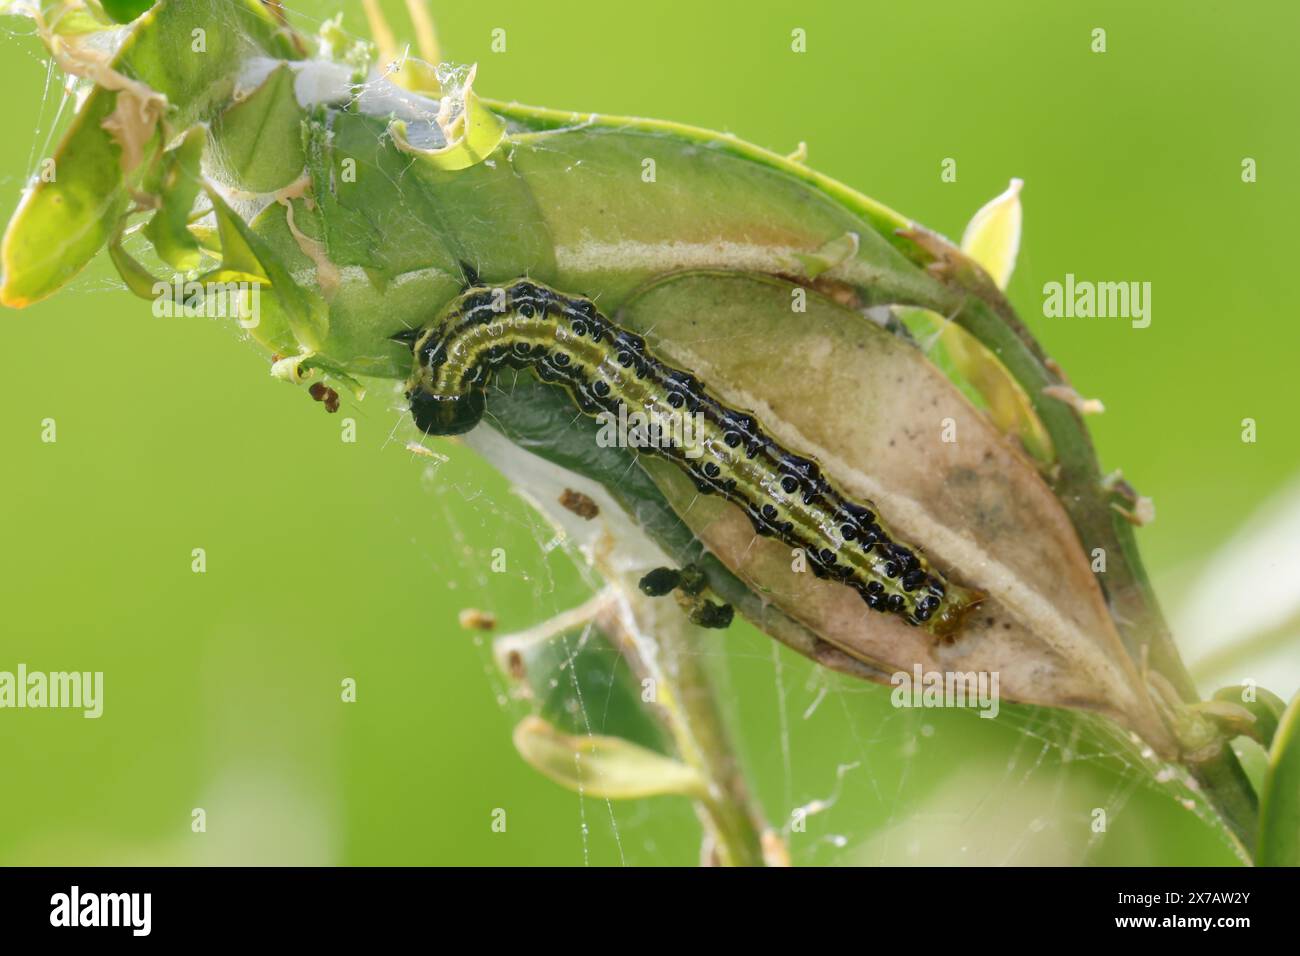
x,y
566,340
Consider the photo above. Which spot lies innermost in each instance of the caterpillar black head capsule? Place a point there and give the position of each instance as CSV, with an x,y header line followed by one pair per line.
x,y
446,414
441,413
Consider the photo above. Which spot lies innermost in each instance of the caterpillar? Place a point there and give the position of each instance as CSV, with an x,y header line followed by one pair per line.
x,y
604,367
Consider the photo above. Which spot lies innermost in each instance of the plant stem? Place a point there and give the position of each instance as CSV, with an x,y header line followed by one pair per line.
x,y
729,814
1229,789
1092,509
735,820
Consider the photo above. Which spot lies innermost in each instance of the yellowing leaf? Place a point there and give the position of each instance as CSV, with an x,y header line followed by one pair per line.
x,y
471,136
61,223
603,766
992,237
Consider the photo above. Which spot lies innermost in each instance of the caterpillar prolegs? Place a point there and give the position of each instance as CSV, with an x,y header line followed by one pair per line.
x,y
605,368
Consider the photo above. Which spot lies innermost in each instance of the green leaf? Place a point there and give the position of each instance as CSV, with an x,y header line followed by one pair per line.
x,y
884,223
245,257
357,180
179,183
124,11
624,205
299,368
1264,707
602,766
1279,812
62,222
138,279
259,139
570,661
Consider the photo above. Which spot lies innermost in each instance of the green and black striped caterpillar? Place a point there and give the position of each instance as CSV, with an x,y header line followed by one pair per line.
x,y
566,340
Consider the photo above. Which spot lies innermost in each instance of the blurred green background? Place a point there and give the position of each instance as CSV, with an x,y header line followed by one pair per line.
x,y
328,560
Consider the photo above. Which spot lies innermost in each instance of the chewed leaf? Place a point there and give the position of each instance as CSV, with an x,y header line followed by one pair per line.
x,y
887,427
992,238
62,222
604,766
472,135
